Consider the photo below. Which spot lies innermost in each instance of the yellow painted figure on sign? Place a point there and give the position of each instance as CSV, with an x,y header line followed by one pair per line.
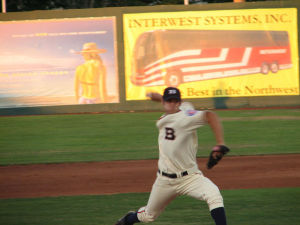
x,y
90,77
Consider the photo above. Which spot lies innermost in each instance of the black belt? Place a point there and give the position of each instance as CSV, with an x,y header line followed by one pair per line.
x,y
172,175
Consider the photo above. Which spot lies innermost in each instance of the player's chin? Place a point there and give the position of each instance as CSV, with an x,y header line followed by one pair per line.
x,y
171,109
168,107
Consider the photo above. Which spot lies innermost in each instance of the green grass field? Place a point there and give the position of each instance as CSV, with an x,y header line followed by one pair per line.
x,y
104,137
243,207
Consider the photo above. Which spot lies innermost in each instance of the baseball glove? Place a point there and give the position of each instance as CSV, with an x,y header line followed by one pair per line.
x,y
216,155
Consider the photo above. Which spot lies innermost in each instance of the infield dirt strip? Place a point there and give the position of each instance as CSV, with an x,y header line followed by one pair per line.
x,y
41,180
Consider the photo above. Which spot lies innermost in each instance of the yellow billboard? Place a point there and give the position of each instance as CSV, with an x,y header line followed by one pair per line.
x,y
232,53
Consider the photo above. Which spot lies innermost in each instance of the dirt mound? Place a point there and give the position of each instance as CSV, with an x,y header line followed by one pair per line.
x,y
43,180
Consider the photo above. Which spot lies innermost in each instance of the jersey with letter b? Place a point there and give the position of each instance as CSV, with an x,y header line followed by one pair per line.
x,y
178,141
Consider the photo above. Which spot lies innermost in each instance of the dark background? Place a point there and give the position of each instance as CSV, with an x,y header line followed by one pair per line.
x,y
29,5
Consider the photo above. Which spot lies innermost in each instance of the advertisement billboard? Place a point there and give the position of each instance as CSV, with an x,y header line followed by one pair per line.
x,y
58,62
225,53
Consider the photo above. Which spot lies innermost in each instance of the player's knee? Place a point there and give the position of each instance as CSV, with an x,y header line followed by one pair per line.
x,y
145,216
215,201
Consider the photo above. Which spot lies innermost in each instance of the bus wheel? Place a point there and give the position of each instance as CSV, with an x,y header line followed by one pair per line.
x,y
264,69
173,79
274,67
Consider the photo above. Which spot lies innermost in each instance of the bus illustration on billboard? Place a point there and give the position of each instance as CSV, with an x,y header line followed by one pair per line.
x,y
173,57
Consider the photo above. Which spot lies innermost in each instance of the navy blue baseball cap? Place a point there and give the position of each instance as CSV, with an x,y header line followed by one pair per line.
x,y
171,93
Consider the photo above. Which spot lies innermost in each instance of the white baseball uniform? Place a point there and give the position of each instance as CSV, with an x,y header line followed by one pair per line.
x,y
178,172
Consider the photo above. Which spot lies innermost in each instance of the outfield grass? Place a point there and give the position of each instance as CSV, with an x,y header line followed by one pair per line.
x,y
103,137
243,207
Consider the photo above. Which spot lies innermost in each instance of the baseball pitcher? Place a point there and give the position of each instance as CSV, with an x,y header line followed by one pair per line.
x,y
178,172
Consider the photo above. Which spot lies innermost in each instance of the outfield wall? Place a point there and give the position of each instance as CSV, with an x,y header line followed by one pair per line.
x,y
146,105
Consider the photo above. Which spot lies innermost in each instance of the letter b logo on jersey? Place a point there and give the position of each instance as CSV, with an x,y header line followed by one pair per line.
x,y
170,133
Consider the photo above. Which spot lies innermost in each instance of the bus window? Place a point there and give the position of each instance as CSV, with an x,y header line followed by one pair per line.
x,y
140,52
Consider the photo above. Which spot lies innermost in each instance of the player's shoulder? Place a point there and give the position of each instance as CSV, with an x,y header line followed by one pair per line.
x,y
188,109
186,106
162,116
191,112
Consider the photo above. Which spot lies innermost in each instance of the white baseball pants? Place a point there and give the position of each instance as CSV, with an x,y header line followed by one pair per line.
x,y
165,189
